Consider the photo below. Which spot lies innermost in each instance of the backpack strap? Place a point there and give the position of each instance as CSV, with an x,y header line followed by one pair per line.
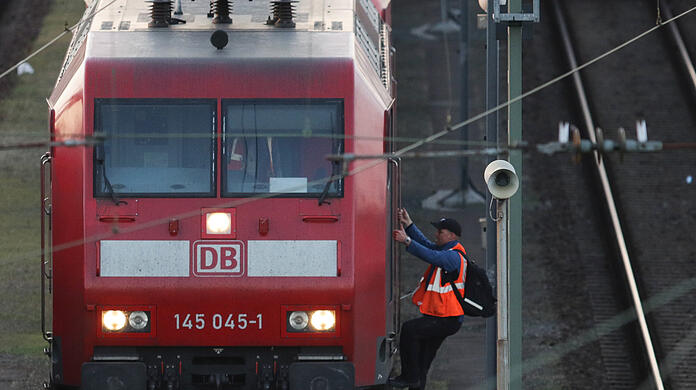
x,y
454,288
461,253
430,275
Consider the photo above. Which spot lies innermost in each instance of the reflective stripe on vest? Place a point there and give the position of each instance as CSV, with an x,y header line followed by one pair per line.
x,y
434,299
437,287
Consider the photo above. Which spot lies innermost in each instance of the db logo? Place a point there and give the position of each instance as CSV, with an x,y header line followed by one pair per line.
x,y
218,258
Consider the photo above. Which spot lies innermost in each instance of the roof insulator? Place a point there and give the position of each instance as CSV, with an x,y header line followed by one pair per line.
x,y
160,13
283,12
221,10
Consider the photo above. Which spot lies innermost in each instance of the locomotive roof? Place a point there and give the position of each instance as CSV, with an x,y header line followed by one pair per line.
x,y
324,29
310,15
120,29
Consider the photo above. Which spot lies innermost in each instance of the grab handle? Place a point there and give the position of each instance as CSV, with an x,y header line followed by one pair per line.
x,y
45,257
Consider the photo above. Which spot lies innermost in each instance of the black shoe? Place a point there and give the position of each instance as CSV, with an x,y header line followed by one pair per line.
x,y
400,381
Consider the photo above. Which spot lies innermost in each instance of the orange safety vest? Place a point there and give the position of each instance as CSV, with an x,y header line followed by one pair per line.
x,y
437,300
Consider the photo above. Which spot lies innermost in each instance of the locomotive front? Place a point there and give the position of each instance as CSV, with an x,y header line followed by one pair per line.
x,y
204,241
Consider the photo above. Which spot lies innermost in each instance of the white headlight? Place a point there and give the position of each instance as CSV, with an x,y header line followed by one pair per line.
x,y
138,320
218,223
323,320
114,320
298,320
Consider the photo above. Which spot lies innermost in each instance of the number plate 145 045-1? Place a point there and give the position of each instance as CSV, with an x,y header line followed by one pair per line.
x,y
218,321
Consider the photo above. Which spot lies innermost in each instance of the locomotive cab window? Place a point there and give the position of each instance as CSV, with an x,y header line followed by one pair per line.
x,y
155,147
281,147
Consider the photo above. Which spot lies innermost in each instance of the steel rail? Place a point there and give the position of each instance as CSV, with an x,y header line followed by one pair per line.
x,y
609,197
681,46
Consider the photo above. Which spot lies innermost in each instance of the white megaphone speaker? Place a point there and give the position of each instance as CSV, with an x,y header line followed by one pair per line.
x,y
501,179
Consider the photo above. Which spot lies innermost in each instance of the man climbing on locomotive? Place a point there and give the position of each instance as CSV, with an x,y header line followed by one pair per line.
x,y
442,315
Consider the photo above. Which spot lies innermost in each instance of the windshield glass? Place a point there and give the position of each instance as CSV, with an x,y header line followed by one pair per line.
x,y
281,147
155,147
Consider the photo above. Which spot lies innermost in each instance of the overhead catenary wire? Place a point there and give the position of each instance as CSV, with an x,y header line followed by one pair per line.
x,y
484,148
401,152
54,40
449,129
610,203
223,204
47,144
540,87
420,142
142,135
434,141
93,140
535,363
681,46
30,56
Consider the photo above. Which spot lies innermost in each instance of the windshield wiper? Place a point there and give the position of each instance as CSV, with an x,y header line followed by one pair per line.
x,y
99,158
334,176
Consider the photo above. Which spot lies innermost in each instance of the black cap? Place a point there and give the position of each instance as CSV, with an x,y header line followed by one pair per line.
x,y
449,224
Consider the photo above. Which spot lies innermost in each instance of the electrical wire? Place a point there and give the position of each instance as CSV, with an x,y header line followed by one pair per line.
x,y
535,363
484,147
54,40
87,141
380,139
449,129
422,141
533,91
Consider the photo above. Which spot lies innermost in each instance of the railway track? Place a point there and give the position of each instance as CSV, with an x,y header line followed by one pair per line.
x,y
646,246
574,279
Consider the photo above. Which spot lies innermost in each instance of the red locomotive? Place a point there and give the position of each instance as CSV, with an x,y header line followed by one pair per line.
x,y
203,240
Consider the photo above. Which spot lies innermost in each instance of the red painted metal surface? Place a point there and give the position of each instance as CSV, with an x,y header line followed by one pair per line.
x,y
357,221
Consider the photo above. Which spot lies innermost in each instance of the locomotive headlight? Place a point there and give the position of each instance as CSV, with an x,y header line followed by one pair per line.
x,y
298,320
113,320
308,322
218,223
323,320
138,320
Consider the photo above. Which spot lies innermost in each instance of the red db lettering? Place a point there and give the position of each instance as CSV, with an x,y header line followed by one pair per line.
x,y
218,258
228,258
204,258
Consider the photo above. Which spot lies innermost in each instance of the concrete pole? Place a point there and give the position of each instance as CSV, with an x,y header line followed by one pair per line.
x,y
514,204
503,377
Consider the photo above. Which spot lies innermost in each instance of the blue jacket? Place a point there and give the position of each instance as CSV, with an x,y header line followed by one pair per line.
x,y
426,250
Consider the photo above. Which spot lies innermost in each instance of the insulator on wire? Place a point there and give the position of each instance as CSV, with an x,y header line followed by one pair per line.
x,y
273,18
221,10
563,132
282,12
599,135
577,143
160,13
641,131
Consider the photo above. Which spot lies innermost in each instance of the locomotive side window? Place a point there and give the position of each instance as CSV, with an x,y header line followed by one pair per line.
x,y
155,147
281,147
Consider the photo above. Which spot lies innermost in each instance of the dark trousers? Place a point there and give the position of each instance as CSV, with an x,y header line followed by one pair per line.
x,y
420,339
